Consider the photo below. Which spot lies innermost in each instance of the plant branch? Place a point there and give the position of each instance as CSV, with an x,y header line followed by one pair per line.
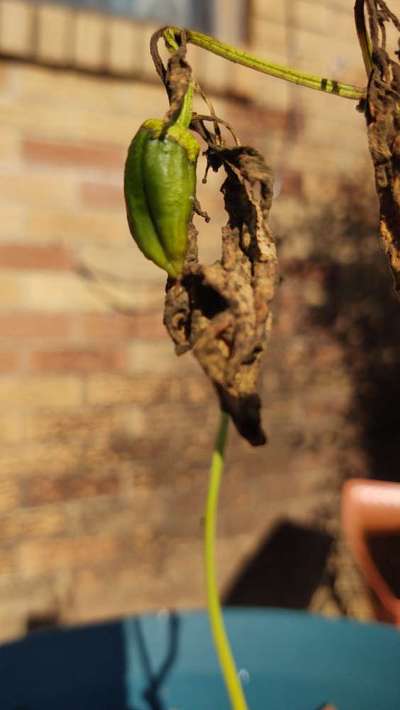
x,y
239,56
221,641
362,35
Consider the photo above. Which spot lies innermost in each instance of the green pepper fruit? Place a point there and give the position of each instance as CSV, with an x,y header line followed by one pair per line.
x,y
160,188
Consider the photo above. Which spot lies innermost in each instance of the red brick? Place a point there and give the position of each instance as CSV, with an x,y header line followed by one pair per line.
x,y
264,119
40,557
18,256
36,325
292,184
9,361
7,561
149,326
76,360
306,270
100,195
124,327
9,495
41,491
80,424
32,522
60,153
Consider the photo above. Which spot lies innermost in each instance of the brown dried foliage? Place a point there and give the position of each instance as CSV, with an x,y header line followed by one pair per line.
x,y
383,123
222,312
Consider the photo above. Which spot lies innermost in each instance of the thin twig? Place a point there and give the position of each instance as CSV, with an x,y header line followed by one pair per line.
x,y
362,35
238,56
221,641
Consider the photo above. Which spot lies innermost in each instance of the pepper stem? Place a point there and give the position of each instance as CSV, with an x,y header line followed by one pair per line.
x,y
239,56
221,642
363,36
185,114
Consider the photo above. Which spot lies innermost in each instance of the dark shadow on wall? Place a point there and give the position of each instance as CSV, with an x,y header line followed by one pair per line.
x,y
285,570
362,312
385,552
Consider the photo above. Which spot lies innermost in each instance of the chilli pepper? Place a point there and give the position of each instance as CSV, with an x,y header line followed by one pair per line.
x,y
160,188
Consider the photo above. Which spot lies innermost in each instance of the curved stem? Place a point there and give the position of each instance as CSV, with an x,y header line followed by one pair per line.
x,y
227,51
221,642
362,35
185,114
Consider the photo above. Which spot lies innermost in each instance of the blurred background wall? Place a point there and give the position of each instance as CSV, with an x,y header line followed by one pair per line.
x,y
105,435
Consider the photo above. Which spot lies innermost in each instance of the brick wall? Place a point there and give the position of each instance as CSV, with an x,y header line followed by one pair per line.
x,y
105,436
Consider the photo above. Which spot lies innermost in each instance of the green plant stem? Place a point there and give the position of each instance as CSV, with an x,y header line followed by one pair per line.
x,y
363,36
239,56
221,642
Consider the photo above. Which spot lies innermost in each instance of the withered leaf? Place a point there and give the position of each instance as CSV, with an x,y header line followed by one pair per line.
x,y
222,311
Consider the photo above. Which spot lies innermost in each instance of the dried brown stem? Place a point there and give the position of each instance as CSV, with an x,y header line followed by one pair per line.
x,y
383,123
